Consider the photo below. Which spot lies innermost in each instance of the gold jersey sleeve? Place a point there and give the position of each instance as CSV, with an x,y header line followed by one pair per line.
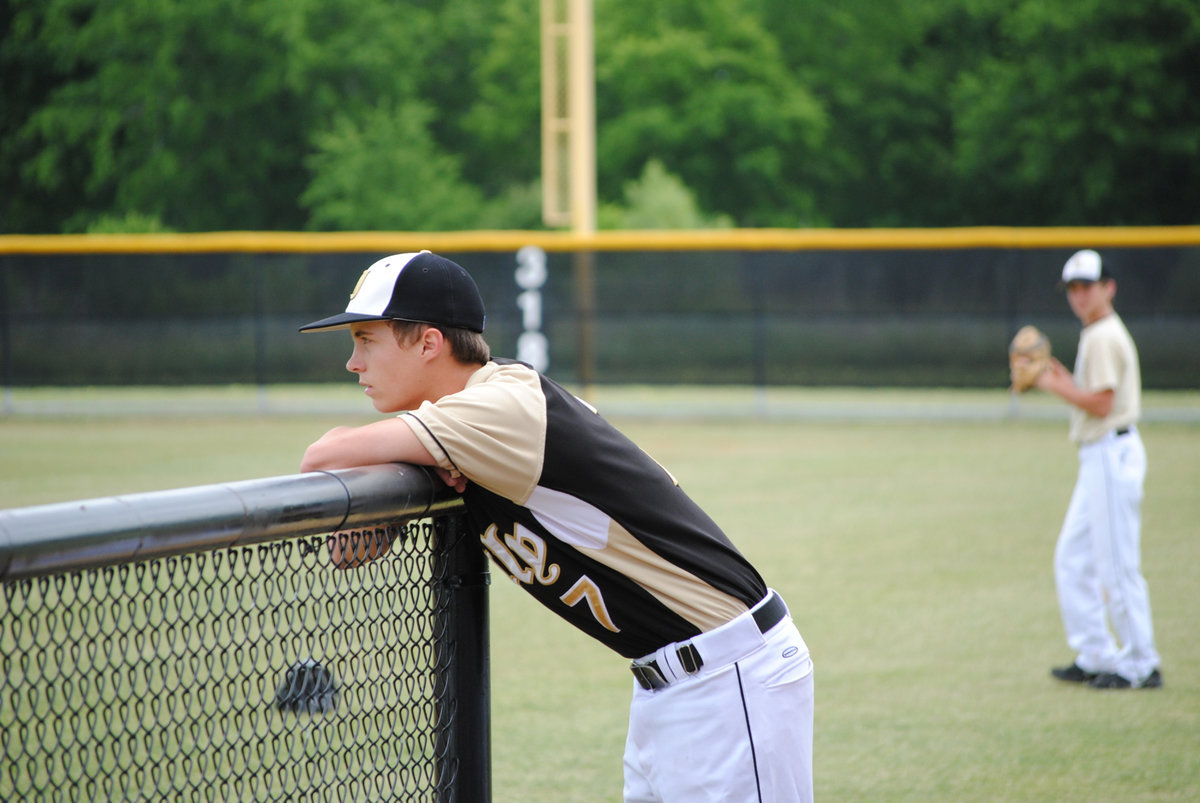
x,y
492,432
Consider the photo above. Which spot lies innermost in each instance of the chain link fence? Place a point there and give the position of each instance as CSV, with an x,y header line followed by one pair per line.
x,y
247,673
923,309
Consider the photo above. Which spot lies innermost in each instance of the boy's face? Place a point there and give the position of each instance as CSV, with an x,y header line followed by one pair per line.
x,y
391,374
1090,301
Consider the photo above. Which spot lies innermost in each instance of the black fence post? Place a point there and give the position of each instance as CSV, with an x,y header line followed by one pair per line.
x,y
6,374
464,740
260,335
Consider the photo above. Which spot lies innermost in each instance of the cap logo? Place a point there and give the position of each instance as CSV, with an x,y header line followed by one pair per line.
x,y
358,286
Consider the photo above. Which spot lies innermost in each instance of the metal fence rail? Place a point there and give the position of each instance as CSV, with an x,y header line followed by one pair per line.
x,y
197,644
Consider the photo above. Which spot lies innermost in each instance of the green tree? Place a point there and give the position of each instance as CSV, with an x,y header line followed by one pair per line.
x,y
384,171
199,114
503,122
703,88
658,200
28,73
882,71
1085,112
1008,112
158,110
129,223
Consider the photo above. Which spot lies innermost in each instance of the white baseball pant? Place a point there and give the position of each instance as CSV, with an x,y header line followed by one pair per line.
x,y
737,730
1097,562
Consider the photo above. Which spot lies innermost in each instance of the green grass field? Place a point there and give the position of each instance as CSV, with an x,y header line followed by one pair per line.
x,y
914,552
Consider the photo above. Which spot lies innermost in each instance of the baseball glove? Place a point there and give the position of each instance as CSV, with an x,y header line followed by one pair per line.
x,y
307,688
1028,357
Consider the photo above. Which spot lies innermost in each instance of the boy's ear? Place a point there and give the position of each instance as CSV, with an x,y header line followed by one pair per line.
x,y
432,341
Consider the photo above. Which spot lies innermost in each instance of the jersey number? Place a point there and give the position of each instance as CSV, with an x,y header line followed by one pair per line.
x,y
523,556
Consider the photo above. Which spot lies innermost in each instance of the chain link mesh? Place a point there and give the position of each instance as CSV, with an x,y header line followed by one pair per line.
x,y
252,673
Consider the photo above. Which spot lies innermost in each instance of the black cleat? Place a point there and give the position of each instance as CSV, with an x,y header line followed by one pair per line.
x,y
1114,681
1073,674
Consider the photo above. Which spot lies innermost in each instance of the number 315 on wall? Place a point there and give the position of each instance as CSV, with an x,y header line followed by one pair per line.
x,y
532,345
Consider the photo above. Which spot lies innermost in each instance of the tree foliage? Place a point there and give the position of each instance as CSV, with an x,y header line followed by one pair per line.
x,y
1087,111
384,171
178,111
323,114
703,89
658,200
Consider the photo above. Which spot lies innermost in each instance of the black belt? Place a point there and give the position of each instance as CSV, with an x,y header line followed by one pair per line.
x,y
650,676
1121,432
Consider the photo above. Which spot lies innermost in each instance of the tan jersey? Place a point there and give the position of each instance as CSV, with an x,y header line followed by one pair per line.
x,y
1107,360
580,517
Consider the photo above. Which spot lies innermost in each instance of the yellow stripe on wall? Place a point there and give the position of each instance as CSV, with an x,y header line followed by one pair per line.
x,y
677,240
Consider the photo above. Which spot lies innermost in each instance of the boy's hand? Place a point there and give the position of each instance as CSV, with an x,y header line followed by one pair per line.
x,y
456,481
1054,378
351,549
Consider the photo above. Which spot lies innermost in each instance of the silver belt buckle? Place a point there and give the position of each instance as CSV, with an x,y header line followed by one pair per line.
x,y
648,676
689,658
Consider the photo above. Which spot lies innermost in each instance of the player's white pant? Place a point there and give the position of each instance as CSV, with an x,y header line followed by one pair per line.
x,y
1097,563
732,733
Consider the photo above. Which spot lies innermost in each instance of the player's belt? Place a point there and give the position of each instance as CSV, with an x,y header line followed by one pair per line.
x,y
722,645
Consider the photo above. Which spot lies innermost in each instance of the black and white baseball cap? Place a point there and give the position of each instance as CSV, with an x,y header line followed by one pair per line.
x,y
421,287
1084,266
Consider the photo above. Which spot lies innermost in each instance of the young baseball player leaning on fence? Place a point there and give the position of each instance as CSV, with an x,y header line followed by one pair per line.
x,y
593,528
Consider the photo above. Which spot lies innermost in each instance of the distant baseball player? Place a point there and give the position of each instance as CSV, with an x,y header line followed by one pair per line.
x,y
593,528
1097,563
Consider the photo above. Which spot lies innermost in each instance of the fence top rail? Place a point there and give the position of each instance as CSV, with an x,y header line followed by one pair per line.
x,y
563,241
85,534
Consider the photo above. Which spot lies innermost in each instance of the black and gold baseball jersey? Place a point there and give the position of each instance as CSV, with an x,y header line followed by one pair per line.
x,y
581,517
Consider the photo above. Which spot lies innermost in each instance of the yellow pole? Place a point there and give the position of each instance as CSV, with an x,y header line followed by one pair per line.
x,y
555,123
582,108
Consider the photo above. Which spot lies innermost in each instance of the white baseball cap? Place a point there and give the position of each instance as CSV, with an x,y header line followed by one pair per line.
x,y
1084,266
